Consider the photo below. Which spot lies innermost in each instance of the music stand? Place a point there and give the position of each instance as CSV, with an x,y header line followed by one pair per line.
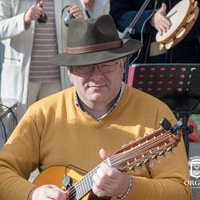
x,y
178,85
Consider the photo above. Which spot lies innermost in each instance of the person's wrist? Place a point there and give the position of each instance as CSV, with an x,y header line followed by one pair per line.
x,y
128,190
27,21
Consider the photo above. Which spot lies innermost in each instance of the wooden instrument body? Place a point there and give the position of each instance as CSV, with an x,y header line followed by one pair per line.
x,y
55,174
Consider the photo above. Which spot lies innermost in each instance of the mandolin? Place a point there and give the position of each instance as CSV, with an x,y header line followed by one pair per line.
x,y
131,155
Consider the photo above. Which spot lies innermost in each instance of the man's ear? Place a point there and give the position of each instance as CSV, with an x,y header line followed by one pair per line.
x,y
68,71
69,74
122,61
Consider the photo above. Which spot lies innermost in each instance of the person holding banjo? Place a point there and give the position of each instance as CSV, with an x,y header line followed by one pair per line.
x,y
180,29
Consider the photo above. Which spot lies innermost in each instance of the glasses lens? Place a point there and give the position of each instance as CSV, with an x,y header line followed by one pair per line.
x,y
83,70
108,67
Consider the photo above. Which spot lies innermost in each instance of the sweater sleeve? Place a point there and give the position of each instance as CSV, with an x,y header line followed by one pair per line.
x,y
18,158
165,182
165,179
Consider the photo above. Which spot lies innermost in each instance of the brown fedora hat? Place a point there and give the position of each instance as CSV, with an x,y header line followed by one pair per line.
x,y
94,41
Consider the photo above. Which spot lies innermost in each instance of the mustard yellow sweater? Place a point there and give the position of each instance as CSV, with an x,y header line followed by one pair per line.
x,y
54,131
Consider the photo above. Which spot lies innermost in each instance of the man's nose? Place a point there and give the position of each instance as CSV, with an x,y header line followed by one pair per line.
x,y
96,70
96,73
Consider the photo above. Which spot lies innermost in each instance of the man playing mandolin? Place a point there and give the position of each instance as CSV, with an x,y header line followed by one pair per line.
x,y
99,114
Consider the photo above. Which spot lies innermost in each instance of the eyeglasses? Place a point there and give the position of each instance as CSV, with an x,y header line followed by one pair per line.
x,y
103,67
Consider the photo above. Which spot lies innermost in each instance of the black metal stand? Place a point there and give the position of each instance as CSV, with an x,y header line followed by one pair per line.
x,y
7,107
178,85
129,30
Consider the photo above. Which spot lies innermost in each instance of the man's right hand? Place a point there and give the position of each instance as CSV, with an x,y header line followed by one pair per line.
x,y
46,192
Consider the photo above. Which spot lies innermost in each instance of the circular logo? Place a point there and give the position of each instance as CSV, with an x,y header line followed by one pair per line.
x,y
194,164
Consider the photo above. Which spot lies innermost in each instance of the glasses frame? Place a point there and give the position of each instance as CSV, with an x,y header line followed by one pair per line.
x,y
102,67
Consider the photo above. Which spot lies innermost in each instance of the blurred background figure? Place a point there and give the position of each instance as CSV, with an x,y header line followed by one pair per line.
x,y
32,32
95,8
152,20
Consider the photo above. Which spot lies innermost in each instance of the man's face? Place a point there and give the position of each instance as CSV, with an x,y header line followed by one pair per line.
x,y
98,84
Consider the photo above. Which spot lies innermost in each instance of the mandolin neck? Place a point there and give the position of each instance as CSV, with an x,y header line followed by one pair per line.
x,y
84,185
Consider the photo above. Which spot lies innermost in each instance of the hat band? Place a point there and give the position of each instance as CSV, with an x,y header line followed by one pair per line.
x,y
95,47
